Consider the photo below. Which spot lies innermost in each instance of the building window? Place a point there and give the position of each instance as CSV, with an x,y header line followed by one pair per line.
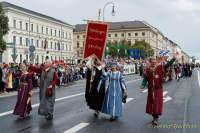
x,y
83,36
115,35
20,58
66,35
27,40
78,45
37,44
55,46
27,57
37,28
42,59
20,40
63,46
136,34
47,31
55,32
70,47
69,35
129,34
26,26
37,58
42,30
63,35
78,53
31,41
20,25
129,42
143,33
109,35
51,45
14,40
14,23
42,44
59,34
78,37
51,32
152,35
32,27
66,48
122,34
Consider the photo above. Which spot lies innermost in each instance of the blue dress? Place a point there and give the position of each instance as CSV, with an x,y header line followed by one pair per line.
x,y
112,104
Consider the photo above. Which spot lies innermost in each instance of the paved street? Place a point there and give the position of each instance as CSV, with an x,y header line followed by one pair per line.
x,y
181,106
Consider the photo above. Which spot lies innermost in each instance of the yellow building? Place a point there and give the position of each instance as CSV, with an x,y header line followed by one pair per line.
x,y
130,31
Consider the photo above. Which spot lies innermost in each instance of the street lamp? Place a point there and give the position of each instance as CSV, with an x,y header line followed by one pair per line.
x,y
113,8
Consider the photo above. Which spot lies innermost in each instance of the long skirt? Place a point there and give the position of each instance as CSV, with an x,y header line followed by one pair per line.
x,y
22,108
155,102
112,104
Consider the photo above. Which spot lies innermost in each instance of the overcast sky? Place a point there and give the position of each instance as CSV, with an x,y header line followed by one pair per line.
x,y
179,20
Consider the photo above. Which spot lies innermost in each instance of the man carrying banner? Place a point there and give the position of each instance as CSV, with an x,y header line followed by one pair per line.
x,y
95,86
154,75
94,49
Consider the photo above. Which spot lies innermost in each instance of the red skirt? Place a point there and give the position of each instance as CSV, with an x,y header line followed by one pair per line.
x,y
155,102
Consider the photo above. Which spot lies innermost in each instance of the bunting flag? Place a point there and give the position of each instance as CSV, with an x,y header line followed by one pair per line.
x,y
164,52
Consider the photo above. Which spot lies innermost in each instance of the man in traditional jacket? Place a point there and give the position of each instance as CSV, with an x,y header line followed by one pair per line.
x,y
48,80
154,75
94,92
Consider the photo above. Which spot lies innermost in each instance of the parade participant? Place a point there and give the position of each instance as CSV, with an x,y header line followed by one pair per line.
x,y
94,97
154,75
112,104
48,81
1,80
23,105
177,72
9,80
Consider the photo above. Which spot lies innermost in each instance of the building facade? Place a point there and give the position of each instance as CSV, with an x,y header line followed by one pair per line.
x,y
131,31
48,35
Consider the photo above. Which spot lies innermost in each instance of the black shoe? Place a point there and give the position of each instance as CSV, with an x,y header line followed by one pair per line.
x,y
49,117
96,114
155,122
112,118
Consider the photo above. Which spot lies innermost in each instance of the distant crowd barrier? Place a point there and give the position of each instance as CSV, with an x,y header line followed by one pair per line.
x,y
129,69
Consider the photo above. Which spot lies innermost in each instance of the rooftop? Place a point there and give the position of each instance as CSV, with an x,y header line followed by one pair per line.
x,y
9,5
116,25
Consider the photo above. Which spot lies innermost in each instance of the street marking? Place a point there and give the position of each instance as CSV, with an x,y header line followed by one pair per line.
x,y
6,113
15,93
128,100
133,80
144,91
76,128
164,93
59,99
67,97
168,98
185,115
36,105
83,125
198,75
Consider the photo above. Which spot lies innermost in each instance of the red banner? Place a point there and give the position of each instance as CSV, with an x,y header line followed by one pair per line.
x,y
95,40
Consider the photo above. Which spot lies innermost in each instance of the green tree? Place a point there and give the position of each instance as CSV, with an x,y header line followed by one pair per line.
x,y
3,29
142,45
113,49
